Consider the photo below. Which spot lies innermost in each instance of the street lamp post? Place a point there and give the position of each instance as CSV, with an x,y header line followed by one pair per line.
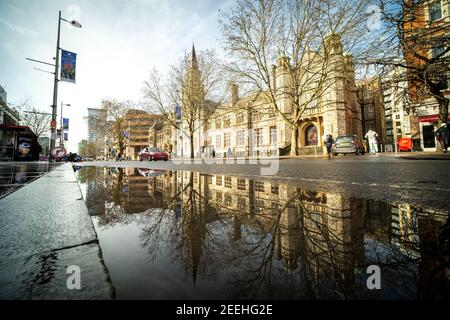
x,y
61,139
55,85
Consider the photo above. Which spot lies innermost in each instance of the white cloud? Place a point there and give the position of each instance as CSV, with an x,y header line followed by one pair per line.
x,y
18,29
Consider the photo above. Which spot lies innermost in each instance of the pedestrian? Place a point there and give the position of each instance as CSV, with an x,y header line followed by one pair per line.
x,y
373,142
443,136
213,153
329,141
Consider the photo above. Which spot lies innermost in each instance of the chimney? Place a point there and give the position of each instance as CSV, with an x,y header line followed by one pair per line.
x,y
234,93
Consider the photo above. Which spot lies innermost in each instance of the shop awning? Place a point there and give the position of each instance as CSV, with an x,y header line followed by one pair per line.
x,y
432,118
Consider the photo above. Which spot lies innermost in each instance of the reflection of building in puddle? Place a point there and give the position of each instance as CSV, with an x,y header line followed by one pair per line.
x,y
95,190
323,234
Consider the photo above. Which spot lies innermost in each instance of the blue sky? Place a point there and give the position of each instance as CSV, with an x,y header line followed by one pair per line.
x,y
119,43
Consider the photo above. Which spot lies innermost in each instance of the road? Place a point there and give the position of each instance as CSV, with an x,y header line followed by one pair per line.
x,y
422,183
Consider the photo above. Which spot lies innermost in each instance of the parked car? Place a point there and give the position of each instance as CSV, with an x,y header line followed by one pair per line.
x,y
73,157
150,173
152,153
348,144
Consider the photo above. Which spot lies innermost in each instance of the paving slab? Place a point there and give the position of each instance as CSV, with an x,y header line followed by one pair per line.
x,y
44,275
44,228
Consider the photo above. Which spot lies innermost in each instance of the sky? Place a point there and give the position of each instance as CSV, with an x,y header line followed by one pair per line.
x,y
119,43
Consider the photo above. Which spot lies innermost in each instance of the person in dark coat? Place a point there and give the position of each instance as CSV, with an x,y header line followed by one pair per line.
x,y
329,144
443,136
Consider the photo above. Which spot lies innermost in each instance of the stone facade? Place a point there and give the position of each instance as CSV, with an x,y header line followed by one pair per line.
x,y
250,126
371,100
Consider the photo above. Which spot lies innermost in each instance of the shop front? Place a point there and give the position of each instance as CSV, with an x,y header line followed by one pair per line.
x,y
428,125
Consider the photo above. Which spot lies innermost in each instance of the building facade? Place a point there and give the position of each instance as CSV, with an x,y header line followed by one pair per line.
x,y
371,100
426,39
250,126
138,123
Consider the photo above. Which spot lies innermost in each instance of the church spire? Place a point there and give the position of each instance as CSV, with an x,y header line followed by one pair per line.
x,y
193,56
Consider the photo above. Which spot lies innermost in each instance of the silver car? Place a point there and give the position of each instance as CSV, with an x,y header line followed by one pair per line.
x,y
348,144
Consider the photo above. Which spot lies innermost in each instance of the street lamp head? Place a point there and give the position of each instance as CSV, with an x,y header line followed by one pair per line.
x,y
75,23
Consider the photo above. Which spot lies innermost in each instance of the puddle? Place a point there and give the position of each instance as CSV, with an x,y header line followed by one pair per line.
x,y
188,235
16,175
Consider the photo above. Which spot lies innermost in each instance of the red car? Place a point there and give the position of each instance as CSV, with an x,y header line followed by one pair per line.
x,y
153,154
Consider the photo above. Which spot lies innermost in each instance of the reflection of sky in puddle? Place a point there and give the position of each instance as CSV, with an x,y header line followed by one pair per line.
x,y
182,235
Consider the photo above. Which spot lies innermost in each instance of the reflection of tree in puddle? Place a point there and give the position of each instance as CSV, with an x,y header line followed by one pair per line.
x,y
279,241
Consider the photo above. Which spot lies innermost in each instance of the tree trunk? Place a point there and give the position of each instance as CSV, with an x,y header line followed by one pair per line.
x,y
294,142
191,139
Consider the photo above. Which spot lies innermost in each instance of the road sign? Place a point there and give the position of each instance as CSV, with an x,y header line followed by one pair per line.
x,y
58,152
53,124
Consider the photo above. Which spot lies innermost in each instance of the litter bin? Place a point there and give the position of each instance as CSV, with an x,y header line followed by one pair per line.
x,y
404,144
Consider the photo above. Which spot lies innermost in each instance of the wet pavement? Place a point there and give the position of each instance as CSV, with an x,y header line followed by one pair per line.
x,y
14,175
45,228
190,235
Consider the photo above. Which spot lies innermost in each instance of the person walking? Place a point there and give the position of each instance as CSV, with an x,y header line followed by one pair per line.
x,y
329,141
373,141
443,136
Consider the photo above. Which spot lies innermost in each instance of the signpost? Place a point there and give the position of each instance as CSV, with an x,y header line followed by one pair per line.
x,y
58,152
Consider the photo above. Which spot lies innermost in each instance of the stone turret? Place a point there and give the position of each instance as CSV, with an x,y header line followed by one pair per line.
x,y
337,112
283,84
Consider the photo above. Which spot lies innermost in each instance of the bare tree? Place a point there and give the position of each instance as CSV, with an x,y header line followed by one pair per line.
x,y
115,124
411,40
89,149
34,118
256,33
195,84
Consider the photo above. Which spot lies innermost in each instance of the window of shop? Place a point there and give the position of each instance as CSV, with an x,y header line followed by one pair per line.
x,y
218,197
227,182
259,136
228,200
226,140
218,141
240,118
311,136
435,11
241,184
259,186
226,121
368,111
273,135
242,203
274,188
240,138
437,51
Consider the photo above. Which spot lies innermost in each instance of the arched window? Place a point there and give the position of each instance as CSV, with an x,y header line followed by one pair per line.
x,y
311,136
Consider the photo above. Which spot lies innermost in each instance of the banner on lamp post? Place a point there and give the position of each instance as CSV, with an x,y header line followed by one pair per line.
x,y
68,66
66,123
66,136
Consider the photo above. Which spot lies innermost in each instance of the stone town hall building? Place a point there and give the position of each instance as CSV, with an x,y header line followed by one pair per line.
x,y
249,126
